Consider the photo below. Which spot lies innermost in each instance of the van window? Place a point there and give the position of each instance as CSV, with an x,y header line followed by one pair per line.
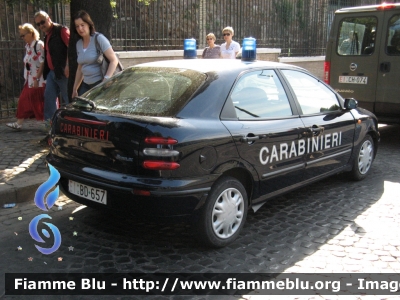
x,y
357,36
393,36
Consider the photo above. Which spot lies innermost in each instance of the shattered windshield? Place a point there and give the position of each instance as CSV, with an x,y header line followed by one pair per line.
x,y
150,91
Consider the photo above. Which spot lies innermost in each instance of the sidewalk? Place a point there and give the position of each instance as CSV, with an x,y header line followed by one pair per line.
x,y
22,161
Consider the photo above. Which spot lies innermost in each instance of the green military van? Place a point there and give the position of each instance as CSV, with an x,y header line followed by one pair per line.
x,y
363,58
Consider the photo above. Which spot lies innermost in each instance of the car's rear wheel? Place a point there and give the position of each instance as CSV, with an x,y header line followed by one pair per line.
x,y
224,213
363,159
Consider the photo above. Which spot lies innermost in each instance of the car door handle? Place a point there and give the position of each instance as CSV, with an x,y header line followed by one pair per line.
x,y
248,138
315,130
385,67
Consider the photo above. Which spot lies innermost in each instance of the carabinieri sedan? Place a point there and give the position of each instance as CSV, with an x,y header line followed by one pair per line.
x,y
207,139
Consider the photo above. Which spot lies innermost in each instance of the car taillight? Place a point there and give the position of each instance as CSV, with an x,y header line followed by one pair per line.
x,y
160,152
327,72
160,140
160,165
140,192
385,6
163,148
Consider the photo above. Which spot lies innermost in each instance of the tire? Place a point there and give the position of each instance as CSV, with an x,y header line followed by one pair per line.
x,y
224,213
363,159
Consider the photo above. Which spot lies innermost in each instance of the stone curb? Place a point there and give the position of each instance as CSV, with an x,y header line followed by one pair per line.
x,y
21,190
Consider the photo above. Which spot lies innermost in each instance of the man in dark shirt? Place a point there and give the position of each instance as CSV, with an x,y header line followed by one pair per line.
x,y
56,70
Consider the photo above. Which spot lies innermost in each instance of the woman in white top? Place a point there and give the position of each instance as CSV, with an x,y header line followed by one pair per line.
x,y
230,48
89,73
31,100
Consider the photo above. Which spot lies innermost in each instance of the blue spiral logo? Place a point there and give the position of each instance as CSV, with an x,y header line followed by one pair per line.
x,y
51,198
45,187
35,235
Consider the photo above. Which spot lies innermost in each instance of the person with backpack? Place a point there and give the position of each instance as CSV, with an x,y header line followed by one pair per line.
x,y
89,73
31,100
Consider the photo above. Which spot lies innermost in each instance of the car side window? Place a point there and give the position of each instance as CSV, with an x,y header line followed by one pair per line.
x,y
312,95
393,36
260,94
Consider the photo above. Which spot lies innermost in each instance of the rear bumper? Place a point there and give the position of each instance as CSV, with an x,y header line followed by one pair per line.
x,y
168,197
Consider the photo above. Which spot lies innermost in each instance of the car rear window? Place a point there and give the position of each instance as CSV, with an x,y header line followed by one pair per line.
x,y
357,36
149,91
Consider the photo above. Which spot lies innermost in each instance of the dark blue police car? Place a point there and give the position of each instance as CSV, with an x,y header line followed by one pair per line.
x,y
207,139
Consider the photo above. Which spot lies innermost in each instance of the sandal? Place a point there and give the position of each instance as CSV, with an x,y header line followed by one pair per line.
x,y
14,125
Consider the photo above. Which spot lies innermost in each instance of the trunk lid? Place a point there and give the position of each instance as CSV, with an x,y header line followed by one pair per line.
x,y
100,141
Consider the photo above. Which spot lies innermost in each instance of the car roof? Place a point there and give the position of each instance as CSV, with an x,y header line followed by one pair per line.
x,y
216,65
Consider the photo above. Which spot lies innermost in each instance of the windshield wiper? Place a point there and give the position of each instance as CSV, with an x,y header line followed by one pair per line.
x,y
90,102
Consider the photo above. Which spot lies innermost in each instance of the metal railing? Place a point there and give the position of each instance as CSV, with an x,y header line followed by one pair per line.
x,y
297,27
12,50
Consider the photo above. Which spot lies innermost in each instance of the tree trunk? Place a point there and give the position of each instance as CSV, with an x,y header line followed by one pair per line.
x,y
101,13
202,24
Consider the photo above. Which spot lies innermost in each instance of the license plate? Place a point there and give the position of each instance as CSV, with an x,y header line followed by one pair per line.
x,y
353,79
87,192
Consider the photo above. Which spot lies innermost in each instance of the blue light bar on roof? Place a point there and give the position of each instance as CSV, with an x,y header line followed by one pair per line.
x,y
189,49
249,49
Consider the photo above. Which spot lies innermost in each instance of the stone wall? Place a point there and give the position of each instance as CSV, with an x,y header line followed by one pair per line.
x,y
131,58
314,64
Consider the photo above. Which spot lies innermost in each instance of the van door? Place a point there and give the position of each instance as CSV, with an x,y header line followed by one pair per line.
x,y
387,92
353,54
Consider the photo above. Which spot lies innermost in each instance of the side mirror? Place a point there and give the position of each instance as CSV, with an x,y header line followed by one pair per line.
x,y
350,103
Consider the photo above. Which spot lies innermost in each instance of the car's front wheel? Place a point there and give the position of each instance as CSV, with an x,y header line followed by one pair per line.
x,y
224,213
363,159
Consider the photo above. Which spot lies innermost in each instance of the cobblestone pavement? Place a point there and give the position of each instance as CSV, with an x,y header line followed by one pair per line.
x,y
20,154
335,225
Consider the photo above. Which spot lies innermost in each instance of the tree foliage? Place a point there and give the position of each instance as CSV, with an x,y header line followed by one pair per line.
x,y
146,2
284,9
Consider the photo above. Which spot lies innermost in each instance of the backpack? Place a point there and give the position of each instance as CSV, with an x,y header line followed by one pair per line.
x,y
101,59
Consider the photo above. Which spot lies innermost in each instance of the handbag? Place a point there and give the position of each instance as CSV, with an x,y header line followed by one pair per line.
x,y
103,60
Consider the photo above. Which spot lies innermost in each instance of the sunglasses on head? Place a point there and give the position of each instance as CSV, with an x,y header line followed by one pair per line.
x,y
40,23
228,34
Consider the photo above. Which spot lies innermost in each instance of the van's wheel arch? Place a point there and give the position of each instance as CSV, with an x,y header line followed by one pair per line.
x,y
223,215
